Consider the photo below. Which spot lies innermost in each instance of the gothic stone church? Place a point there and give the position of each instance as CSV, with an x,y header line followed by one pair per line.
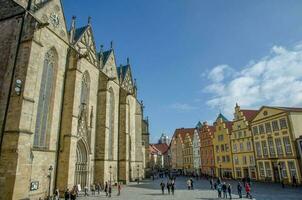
x,y
68,115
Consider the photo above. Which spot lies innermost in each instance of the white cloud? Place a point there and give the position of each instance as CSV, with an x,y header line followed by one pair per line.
x,y
275,79
182,107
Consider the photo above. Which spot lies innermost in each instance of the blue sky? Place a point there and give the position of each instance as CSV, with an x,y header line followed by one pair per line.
x,y
193,58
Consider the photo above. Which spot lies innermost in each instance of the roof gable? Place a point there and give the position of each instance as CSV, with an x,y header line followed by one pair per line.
x,y
109,64
221,116
51,11
84,43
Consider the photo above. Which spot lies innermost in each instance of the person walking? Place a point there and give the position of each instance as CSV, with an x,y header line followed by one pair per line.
x,y
67,194
172,187
248,191
92,189
215,186
189,184
224,190
230,191
168,187
118,189
294,180
98,187
57,194
86,190
192,186
109,190
219,189
73,193
239,190
211,183
106,189
162,185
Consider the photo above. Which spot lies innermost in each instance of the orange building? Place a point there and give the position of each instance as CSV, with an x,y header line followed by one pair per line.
x,y
206,149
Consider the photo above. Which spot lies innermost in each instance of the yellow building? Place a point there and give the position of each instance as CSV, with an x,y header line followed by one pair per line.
x,y
222,149
242,144
275,131
188,152
177,147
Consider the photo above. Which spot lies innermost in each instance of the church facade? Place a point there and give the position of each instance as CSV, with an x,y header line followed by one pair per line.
x,y
69,115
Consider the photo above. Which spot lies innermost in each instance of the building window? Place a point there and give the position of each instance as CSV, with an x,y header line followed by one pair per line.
x,y
279,146
236,161
264,148
223,159
252,160
43,120
228,158
248,146
218,159
292,169
275,125
222,147
226,147
268,128
244,160
255,130
261,129
258,149
235,148
239,134
261,169
288,148
271,147
283,124
238,172
241,146
268,169
220,137
217,148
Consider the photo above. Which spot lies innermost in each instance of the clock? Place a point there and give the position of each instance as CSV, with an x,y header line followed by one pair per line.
x,y
54,20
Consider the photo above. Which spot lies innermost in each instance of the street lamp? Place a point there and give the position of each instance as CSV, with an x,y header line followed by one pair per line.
x,y
137,174
49,177
220,173
110,172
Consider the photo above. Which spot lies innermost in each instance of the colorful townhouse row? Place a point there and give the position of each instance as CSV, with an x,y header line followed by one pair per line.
x,y
262,144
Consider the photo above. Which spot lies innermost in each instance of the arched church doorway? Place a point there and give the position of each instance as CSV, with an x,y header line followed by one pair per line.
x,y
81,165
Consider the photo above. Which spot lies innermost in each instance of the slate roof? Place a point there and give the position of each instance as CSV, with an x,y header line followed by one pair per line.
x,y
124,71
221,116
106,55
79,32
249,114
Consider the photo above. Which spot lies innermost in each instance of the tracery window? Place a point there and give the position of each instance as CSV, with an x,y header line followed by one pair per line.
x,y
43,119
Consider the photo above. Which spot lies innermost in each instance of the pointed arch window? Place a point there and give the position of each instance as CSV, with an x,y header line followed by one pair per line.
x,y
44,111
111,124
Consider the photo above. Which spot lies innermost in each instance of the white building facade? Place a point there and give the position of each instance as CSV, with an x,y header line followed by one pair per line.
x,y
196,152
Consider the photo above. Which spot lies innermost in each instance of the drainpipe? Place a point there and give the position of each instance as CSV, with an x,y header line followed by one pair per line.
x,y
24,13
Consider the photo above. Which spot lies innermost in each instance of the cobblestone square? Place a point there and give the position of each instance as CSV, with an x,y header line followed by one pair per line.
x,y
150,190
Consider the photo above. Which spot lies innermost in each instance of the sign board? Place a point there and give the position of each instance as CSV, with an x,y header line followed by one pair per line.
x,y
34,185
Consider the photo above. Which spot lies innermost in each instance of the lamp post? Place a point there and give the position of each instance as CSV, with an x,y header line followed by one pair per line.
x,y
220,173
137,174
49,177
110,172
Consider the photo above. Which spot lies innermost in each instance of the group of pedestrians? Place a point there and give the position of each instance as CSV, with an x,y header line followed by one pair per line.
x,y
224,190
73,194
170,185
190,184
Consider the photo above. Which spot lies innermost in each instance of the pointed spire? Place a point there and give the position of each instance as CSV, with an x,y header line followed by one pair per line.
x,y
89,20
128,61
72,29
237,104
111,45
121,72
135,83
101,49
